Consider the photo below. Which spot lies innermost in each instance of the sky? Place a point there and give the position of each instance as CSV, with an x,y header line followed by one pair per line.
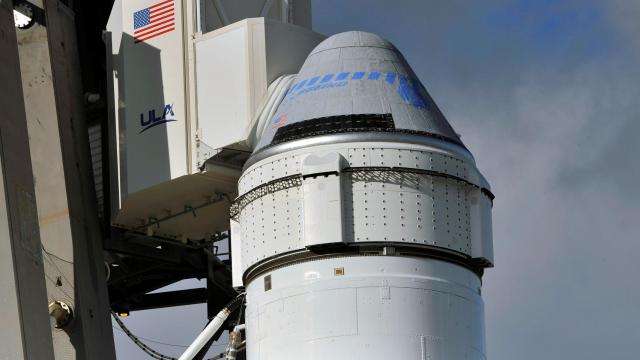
x,y
545,95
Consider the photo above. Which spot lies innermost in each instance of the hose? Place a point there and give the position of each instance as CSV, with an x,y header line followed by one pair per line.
x,y
211,328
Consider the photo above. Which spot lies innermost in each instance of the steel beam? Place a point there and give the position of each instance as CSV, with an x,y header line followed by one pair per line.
x,y
68,217
24,333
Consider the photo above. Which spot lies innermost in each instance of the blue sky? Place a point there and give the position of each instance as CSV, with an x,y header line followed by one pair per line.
x,y
545,94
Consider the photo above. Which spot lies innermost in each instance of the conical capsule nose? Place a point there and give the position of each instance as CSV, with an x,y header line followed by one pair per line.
x,y
356,82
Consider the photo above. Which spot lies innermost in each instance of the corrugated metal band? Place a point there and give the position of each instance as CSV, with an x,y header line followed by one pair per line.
x,y
262,190
296,180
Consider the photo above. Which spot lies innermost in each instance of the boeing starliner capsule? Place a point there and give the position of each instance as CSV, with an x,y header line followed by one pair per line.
x,y
364,224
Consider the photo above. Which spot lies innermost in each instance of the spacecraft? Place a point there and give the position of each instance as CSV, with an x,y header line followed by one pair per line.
x,y
360,225
362,222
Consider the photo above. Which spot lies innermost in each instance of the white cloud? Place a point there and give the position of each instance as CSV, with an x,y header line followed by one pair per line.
x,y
554,148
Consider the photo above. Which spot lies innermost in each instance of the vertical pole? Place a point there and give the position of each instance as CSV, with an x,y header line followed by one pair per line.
x,y
91,296
24,333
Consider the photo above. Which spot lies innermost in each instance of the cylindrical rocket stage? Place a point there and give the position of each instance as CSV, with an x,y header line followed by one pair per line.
x,y
374,307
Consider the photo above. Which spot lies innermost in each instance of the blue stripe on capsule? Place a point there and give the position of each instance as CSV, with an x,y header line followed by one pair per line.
x,y
313,80
391,78
409,91
374,75
342,76
357,75
326,78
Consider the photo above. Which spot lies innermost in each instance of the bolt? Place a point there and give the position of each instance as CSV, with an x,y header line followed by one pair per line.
x,y
61,312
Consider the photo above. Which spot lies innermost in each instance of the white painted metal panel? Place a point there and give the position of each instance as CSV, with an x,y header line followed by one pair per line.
x,y
323,215
219,13
223,80
322,188
267,232
383,307
235,65
377,206
236,253
151,91
481,227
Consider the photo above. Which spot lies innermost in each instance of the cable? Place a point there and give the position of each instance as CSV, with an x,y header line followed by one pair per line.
x,y
153,341
54,282
59,288
244,298
56,256
48,257
164,343
136,339
154,354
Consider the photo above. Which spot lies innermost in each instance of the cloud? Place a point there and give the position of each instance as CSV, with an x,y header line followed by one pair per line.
x,y
624,15
560,149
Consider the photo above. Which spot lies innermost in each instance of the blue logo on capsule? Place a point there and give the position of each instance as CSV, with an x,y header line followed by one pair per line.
x,y
408,89
151,119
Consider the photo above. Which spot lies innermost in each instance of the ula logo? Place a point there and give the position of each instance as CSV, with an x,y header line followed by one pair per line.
x,y
152,120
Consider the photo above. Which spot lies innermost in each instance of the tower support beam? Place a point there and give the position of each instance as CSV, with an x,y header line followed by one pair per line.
x,y
23,307
70,230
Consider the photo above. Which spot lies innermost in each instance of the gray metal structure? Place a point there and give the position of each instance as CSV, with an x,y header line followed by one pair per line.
x,y
23,306
363,225
61,161
57,255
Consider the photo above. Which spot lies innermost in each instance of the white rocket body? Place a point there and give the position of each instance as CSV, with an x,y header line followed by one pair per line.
x,y
362,225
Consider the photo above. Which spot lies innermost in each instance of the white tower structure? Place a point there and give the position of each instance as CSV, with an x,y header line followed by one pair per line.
x,y
362,225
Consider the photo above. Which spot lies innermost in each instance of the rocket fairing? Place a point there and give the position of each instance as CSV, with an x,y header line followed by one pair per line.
x,y
364,225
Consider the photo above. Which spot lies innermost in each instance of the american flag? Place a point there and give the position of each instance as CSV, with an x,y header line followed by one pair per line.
x,y
154,21
279,121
